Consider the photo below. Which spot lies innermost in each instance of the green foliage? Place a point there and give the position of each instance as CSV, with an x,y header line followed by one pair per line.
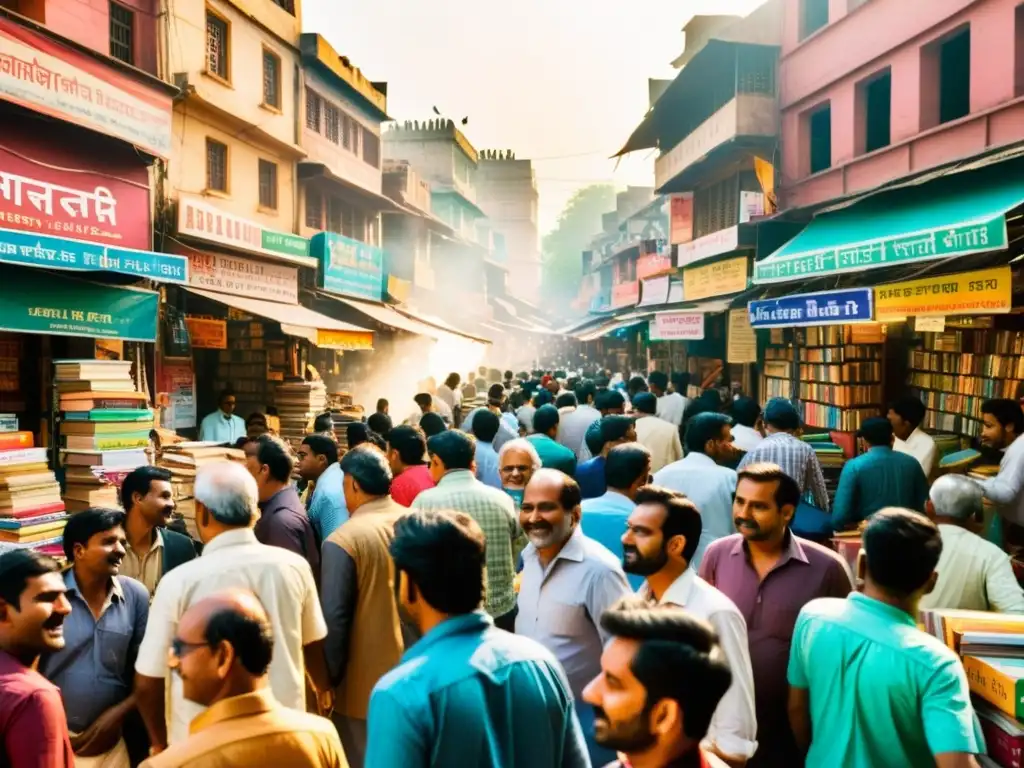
x,y
562,248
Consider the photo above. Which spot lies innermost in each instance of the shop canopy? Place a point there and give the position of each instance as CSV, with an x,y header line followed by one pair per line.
x,y
956,215
297,320
393,317
612,325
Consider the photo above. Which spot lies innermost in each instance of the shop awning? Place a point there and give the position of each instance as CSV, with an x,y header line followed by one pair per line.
x,y
297,320
956,215
395,318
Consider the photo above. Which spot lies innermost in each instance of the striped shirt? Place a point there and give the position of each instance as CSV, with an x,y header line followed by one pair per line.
x,y
797,459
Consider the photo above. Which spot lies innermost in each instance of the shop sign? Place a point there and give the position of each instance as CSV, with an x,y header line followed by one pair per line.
x,y
722,241
718,279
42,302
852,305
204,333
677,326
243,277
35,250
47,77
625,294
751,206
177,381
985,292
742,344
650,264
929,324
348,267
926,245
203,221
346,340
654,291
681,226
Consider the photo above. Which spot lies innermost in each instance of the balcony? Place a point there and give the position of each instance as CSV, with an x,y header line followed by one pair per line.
x,y
750,120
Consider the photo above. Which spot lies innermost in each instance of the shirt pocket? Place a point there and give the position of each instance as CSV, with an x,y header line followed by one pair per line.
x,y
112,651
566,619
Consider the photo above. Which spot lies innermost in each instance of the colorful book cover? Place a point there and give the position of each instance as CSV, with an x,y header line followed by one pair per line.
x,y
998,681
10,441
119,414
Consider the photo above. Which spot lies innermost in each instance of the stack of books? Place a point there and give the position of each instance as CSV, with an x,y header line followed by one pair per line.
x,y
298,404
104,429
829,454
32,514
183,461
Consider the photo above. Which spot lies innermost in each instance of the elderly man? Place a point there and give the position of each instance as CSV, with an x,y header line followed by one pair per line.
x,y
517,461
974,574
222,652
226,498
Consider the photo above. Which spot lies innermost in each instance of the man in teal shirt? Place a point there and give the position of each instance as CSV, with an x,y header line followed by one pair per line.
x,y
466,693
878,478
553,455
867,687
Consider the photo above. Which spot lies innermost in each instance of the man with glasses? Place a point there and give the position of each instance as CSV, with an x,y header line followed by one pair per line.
x,y
517,461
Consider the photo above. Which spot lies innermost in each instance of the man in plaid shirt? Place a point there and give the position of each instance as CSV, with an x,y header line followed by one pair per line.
x,y
452,465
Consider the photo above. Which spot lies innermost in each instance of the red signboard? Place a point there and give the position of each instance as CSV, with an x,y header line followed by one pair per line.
x,y
651,264
681,219
625,294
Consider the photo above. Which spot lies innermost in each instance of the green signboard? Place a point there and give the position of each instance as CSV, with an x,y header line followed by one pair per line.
x,y
35,301
284,243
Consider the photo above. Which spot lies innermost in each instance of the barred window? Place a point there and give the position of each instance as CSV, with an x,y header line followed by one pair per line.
x,y
268,184
371,148
314,209
271,79
332,119
122,26
216,165
314,106
217,45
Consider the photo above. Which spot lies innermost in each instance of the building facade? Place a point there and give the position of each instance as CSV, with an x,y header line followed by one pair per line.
x,y
507,189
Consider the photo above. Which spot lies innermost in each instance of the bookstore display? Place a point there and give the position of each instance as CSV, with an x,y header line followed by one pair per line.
x,y
777,370
343,412
183,460
839,382
32,514
252,365
298,404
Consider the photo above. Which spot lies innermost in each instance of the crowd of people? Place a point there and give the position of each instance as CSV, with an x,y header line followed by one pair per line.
x,y
545,579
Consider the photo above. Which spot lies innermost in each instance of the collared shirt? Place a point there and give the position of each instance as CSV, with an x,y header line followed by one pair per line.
x,y
671,408
604,521
711,487
560,606
590,477
494,511
101,675
882,692
553,455
797,459
1007,488
327,508
150,567
974,574
770,606
734,725
921,446
281,580
33,728
875,480
487,465
746,438
218,427
408,485
573,427
470,694
284,523
254,729
661,438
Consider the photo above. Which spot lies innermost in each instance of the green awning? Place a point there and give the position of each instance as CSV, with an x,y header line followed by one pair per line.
x,y
954,215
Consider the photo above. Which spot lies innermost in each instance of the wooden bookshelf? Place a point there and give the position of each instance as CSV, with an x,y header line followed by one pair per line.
x,y
840,370
777,369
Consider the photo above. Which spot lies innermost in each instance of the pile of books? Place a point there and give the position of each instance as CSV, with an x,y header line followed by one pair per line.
x,y
104,429
829,454
298,404
32,514
183,461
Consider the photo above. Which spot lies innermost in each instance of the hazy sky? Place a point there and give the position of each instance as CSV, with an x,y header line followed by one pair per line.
x,y
561,81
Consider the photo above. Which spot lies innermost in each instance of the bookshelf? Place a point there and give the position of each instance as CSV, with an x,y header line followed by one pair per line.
x,y
777,370
252,365
839,375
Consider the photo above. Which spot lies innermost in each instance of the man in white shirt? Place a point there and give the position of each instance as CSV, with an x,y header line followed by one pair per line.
x,y
661,539
223,425
906,415
658,436
745,414
974,574
572,427
1003,423
671,406
225,498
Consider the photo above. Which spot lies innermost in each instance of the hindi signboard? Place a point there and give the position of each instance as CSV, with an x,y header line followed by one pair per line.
x,y
984,292
677,326
853,305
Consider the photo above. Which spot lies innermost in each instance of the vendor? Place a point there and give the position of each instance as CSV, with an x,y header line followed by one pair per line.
x,y
1003,422
223,426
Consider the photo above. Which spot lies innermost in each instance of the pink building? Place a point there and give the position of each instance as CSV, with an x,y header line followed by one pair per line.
x,y
874,90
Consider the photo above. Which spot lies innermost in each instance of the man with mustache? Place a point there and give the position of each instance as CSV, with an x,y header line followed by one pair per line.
x,y
517,461
662,535
94,669
33,606
568,581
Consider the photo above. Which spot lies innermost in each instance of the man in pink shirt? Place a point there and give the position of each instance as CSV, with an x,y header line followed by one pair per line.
x,y
407,447
33,606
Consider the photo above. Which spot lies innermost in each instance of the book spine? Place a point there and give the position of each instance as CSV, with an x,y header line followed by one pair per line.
x,y
12,441
1004,748
995,687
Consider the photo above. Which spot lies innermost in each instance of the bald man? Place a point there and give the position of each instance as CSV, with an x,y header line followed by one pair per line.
x,y
222,653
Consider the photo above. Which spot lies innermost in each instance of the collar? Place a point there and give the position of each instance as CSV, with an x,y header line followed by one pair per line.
x,y
879,449
115,592
226,416
882,610
246,705
917,434
613,498
383,504
234,538
573,549
275,502
457,477
782,436
681,590
696,457
476,622
792,549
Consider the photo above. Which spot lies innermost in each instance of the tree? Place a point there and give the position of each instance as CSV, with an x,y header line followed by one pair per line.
x,y
562,248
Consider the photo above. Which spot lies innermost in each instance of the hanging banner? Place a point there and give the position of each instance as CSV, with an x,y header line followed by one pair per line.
x,y
985,292
348,267
354,341
177,381
722,241
681,221
651,264
654,291
718,279
853,305
677,326
742,343
625,294
205,333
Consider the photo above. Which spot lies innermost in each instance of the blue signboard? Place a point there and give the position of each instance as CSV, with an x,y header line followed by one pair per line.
x,y
35,250
348,267
826,308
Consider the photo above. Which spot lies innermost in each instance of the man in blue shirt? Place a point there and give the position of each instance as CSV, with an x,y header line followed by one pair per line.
x,y
627,469
601,437
318,463
484,428
223,425
467,693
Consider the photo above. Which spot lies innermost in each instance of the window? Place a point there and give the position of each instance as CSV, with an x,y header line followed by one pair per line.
x,y
217,46
332,120
874,112
813,17
268,185
314,105
216,166
946,79
346,134
314,209
341,218
371,148
288,5
820,130
716,206
122,23
355,130
271,79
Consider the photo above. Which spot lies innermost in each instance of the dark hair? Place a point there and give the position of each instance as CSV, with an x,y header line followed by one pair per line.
x,y
254,417
703,427
902,550
226,393
626,464
410,442
432,424
83,525
251,638
593,437
368,467
321,445
380,423
610,399
542,397
780,414
566,400
636,384
571,496
377,440
453,380
356,434
645,402
423,400
382,403
455,449
17,568
545,419
682,518
788,490
275,453
1006,412
679,658
586,391
442,553
745,411
658,379
910,409
323,423
139,480
614,427
485,425
509,375
877,431
496,394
